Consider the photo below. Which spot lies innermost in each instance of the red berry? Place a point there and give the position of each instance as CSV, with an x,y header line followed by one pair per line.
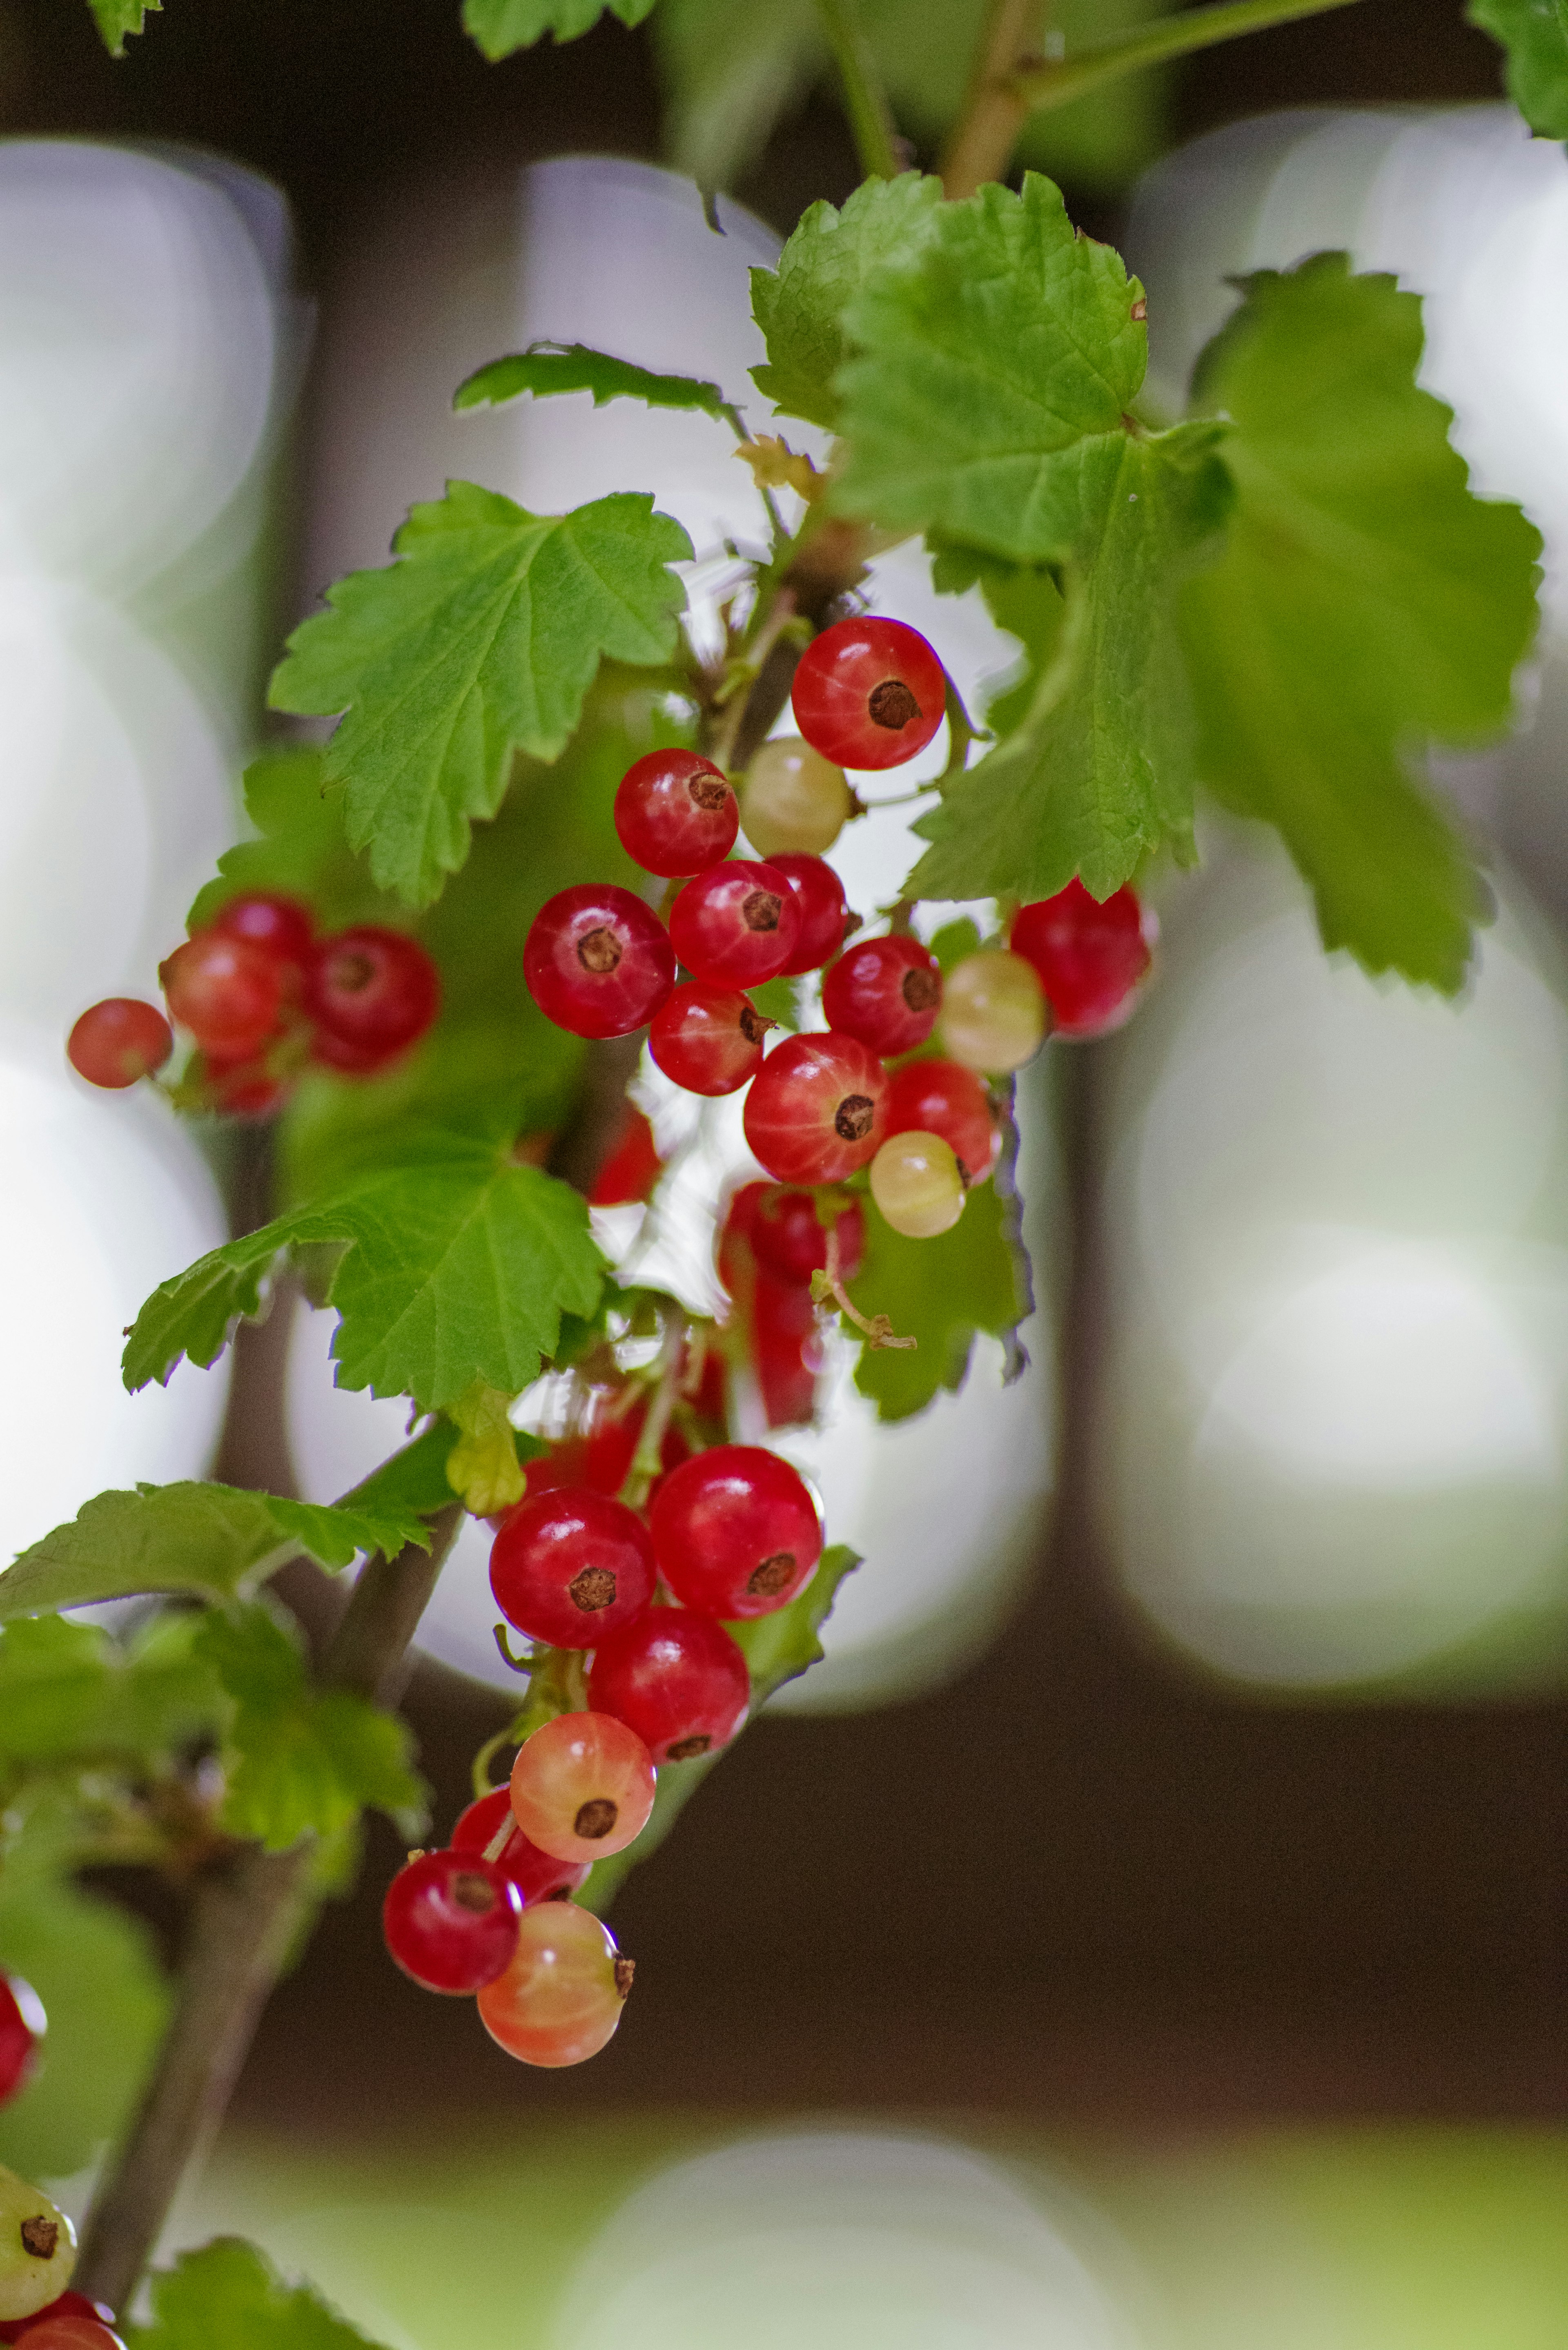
x,y
568,1567
244,1087
451,1920
940,1097
888,992
539,1876
869,693
708,1039
228,993
561,1998
735,925
789,1239
73,2307
786,1349
824,913
598,961
582,1786
816,1110
118,1041
22,2024
282,927
735,1532
371,992
676,814
1090,957
611,1442
677,1679
633,1167
68,2330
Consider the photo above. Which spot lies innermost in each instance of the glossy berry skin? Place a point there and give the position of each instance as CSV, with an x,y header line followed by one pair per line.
x,y
708,1039
940,1097
917,1185
794,799
539,1876
818,1108
245,1088
633,1167
568,1567
735,1532
887,992
22,2024
787,1353
677,1679
676,814
582,1787
451,1920
282,927
868,692
561,1998
74,2306
119,1041
71,2331
789,1239
824,913
227,992
735,925
598,963
994,1012
372,993
1090,957
37,2248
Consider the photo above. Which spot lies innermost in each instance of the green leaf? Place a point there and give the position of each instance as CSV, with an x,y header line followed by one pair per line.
x,y
1366,604
456,1265
95,1970
228,2296
778,1648
115,18
828,260
953,942
301,849
988,401
298,1759
1022,599
1099,771
1535,34
69,1694
501,27
544,369
939,1292
778,1000
479,642
213,1539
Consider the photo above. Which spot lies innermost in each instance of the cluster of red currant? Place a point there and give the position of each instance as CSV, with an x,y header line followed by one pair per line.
x,y
37,2246
642,1602
262,996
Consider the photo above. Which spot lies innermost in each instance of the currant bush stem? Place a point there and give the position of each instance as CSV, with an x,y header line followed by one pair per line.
x,y
1054,82
865,100
994,113
645,1460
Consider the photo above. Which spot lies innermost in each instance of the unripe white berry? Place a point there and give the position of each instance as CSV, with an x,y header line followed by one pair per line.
x,y
793,799
916,1182
37,2248
994,1012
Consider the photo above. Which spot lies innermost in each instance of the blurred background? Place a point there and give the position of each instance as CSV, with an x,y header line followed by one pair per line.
x,y
1246,1611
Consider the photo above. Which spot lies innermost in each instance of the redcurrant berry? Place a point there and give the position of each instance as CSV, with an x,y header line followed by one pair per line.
x,y
582,1786
71,2331
372,993
598,961
282,927
708,1039
568,1567
994,1012
227,992
72,2305
451,1920
37,2248
786,1349
118,1041
940,1097
676,814
539,1876
789,1239
677,1679
245,1088
916,1184
22,2024
1090,956
794,800
823,915
561,1998
612,1442
735,1532
735,925
632,1169
888,992
869,693
818,1108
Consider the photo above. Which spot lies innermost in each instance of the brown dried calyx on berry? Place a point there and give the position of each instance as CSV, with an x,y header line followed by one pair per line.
x,y
891,704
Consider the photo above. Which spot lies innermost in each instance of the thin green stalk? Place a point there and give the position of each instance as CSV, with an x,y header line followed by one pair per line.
x,y
865,100
1057,82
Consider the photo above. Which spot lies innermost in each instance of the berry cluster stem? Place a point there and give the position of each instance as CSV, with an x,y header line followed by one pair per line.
x,y
875,1328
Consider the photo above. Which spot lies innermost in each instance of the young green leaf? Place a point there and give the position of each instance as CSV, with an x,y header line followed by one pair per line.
x,y
1535,34
213,1539
456,1265
940,1292
71,1694
228,2296
480,641
830,260
115,18
988,400
544,369
301,850
300,1761
1366,605
1097,773
501,26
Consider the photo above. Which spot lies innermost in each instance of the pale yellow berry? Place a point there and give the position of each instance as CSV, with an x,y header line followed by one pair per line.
x,y
793,799
916,1182
994,1012
37,2248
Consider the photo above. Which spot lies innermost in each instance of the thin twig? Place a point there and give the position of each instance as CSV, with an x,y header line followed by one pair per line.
x,y
995,110
865,100
876,1328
